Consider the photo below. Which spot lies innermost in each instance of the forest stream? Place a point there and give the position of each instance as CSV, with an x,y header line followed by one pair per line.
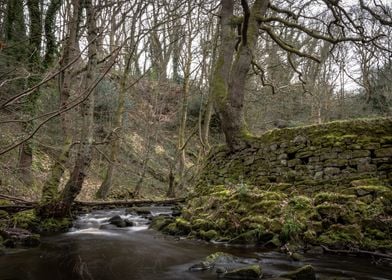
x,y
94,249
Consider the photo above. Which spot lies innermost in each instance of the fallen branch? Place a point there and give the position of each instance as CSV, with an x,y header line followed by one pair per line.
x,y
15,199
357,252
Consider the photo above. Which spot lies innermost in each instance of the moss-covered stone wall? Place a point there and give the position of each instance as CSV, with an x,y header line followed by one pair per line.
x,y
317,156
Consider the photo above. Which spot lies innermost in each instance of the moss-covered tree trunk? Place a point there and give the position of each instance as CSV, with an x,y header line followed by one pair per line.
x,y
29,107
233,64
83,158
50,188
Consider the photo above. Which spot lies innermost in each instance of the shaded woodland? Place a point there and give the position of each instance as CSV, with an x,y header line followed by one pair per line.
x,y
124,99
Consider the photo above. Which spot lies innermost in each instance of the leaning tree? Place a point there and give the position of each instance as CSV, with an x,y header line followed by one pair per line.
x,y
244,23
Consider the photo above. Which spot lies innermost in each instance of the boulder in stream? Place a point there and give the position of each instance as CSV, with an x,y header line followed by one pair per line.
x,y
303,273
249,272
120,222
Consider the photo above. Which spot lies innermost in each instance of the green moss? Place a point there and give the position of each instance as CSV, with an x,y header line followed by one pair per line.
x,y
25,219
270,207
342,236
208,235
5,202
300,203
291,230
158,223
52,225
183,225
247,272
332,197
202,224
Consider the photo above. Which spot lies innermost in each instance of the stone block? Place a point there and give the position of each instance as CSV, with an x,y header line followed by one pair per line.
x,y
304,154
335,162
360,153
330,155
331,171
282,156
314,160
371,146
384,152
346,154
366,167
382,160
318,175
293,162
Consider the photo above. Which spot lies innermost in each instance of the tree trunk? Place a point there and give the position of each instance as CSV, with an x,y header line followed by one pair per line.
x,y
50,189
83,159
232,68
34,66
115,143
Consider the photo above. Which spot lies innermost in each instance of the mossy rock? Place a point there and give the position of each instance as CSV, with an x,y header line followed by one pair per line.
x,y
171,229
300,203
374,190
183,225
330,211
221,258
202,224
159,222
209,235
306,272
248,272
342,236
268,207
332,197
26,219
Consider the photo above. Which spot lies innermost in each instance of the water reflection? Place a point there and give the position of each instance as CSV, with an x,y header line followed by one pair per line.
x,y
92,252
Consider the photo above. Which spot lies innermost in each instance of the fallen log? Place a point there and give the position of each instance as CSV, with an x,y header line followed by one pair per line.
x,y
123,203
357,252
77,205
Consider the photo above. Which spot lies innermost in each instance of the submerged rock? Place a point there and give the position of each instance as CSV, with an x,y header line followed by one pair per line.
x,y
303,273
248,272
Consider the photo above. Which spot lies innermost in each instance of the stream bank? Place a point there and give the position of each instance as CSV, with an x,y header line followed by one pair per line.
x,y
92,251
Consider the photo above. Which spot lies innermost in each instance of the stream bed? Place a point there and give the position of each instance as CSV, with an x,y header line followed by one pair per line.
x,y
93,249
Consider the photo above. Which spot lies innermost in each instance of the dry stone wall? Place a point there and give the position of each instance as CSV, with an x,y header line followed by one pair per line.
x,y
329,154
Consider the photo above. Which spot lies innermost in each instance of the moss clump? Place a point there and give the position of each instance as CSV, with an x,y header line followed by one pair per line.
x,y
247,272
26,219
158,223
29,220
332,197
5,202
51,225
183,226
301,202
208,235
342,236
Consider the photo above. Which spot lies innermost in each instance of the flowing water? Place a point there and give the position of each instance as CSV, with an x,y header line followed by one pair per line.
x,y
93,249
